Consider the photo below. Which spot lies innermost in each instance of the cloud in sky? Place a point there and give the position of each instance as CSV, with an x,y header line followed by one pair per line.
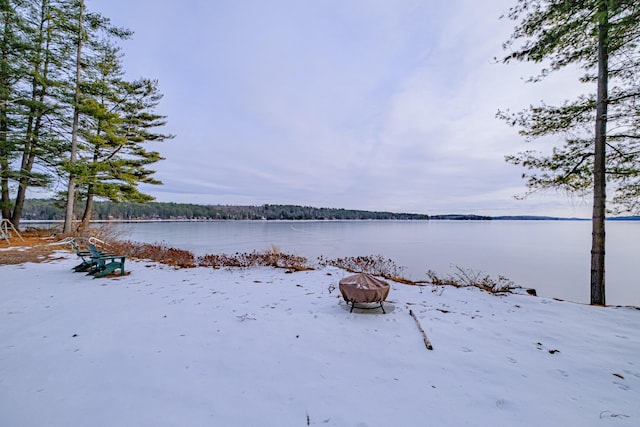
x,y
378,105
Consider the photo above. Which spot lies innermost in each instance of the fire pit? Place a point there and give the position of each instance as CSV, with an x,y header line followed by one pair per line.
x,y
364,288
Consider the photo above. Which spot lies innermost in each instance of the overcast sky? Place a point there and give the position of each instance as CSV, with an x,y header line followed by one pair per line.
x,y
360,104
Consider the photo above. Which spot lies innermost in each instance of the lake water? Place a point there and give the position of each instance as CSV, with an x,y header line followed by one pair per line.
x,y
552,257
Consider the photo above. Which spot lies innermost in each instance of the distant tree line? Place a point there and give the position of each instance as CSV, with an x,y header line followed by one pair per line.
x,y
50,209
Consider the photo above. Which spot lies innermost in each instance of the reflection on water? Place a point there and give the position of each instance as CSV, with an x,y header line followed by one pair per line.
x,y
550,256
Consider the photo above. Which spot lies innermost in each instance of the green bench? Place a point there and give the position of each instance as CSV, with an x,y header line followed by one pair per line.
x,y
85,256
103,264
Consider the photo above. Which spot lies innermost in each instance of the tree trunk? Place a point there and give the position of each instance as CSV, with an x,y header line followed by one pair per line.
x,y
599,173
24,180
5,149
5,199
34,124
88,208
71,191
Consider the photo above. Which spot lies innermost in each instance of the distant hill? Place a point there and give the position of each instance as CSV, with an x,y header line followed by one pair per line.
x,y
48,209
461,217
534,218
553,218
625,218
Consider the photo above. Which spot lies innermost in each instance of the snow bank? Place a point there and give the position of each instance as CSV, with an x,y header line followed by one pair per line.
x,y
261,347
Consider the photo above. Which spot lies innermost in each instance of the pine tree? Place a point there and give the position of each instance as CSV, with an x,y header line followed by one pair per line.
x,y
63,115
71,189
41,144
36,111
12,41
118,118
87,31
601,130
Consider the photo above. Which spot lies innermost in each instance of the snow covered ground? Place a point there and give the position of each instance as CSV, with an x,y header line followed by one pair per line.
x,y
262,347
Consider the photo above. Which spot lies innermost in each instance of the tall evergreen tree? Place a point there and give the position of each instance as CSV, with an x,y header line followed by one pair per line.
x,y
88,30
120,118
71,189
601,130
12,40
38,119
41,143
58,102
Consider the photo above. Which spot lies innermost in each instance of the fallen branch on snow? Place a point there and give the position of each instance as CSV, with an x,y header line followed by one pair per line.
x,y
427,343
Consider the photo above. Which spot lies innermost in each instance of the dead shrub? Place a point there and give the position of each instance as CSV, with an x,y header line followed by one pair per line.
x,y
375,265
465,277
40,231
222,260
272,257
105,232
101,234
159,252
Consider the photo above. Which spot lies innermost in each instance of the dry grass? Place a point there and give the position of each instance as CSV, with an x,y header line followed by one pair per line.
x,y
38,246
165,254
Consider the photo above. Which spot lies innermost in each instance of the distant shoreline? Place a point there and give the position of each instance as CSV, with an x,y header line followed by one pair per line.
x,y
49,210
435,218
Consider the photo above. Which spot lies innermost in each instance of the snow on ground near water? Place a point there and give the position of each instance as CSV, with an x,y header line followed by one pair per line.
x,y
260,347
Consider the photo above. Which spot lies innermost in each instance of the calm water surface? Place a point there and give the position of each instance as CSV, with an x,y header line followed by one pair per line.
x,y
551,256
